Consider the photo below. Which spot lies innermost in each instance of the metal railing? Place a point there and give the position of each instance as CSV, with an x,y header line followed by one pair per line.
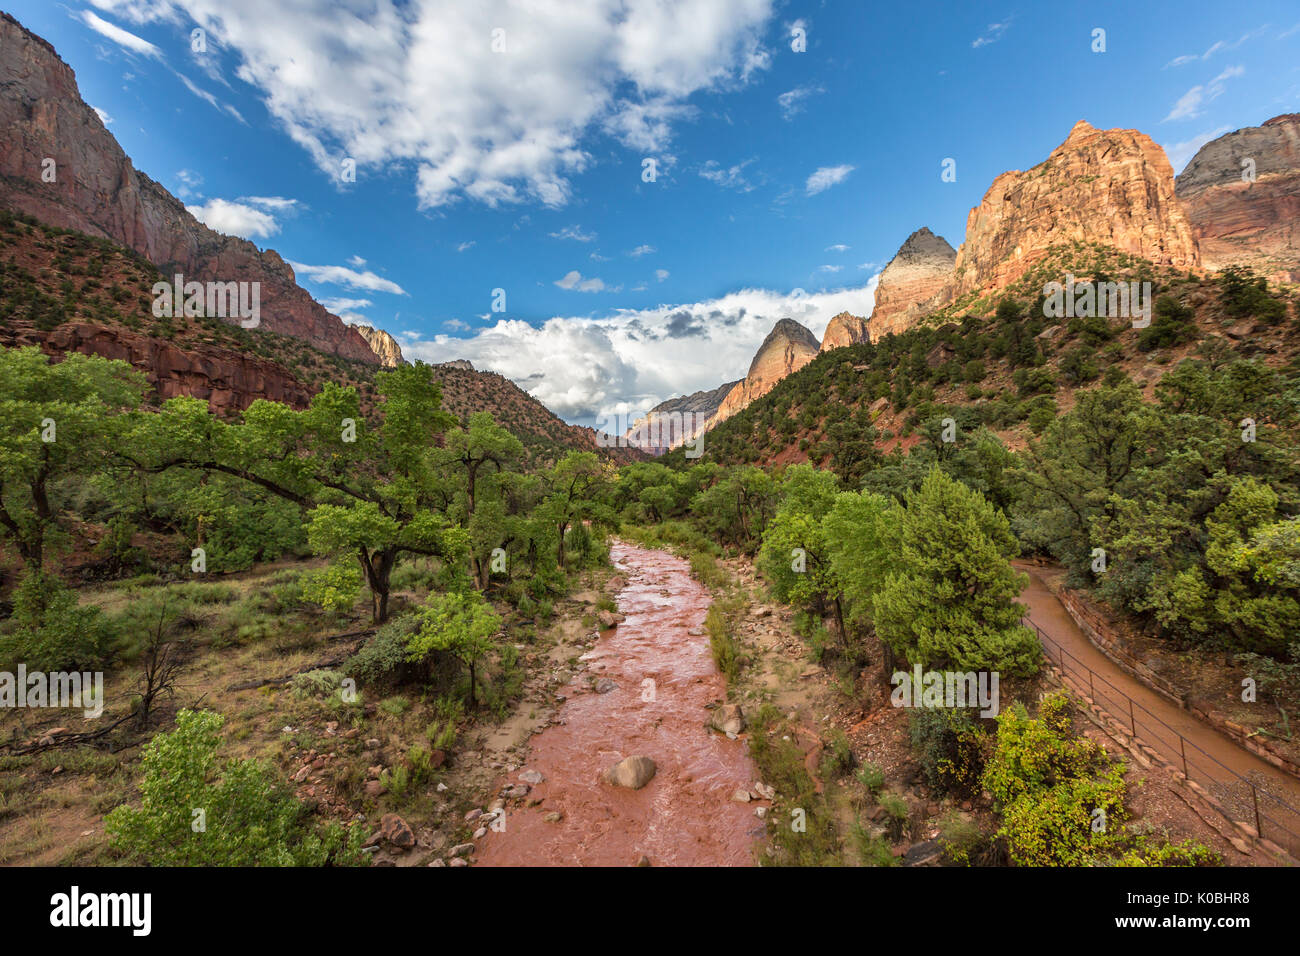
x,y
1244,798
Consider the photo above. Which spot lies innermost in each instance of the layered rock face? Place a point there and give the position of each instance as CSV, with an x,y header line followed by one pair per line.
x,y
788,347
383,345
1114,187
1239,222
228,380
844,329
918,272
97,190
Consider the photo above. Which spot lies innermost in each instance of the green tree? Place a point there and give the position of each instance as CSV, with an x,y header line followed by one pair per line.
x,y
952,603
59,425
460,624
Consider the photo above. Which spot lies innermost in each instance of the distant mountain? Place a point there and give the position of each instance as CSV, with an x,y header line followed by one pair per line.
x,y
844,329
789,346
918,271
702,406
383,345
92,187
66,291
1242,196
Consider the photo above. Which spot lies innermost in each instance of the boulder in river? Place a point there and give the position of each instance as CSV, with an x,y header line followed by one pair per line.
x,y
632,772
729,719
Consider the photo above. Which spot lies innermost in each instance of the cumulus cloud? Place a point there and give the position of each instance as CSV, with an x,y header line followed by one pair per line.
x,y
348,278
826,177
103,115
633,359
386,83
641,251
235,218
661,274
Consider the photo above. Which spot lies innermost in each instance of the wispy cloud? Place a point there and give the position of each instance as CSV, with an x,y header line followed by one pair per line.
x,y
123,38
348,278
731,177
792,101
575,233
992,35
825,177
1191,104
641,251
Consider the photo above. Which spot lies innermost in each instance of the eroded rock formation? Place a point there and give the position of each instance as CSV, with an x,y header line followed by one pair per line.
x,y
788,347
1240,222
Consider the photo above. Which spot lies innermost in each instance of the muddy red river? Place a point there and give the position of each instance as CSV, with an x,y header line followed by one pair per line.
x,y
685,816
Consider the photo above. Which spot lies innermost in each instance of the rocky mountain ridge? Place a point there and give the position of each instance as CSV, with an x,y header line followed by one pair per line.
x,y
93,187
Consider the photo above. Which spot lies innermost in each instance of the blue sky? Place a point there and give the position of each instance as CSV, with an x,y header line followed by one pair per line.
x,y
785,180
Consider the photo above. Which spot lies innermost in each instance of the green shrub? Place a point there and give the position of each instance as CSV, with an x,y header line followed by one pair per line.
x,y
196,813
950,746
48,631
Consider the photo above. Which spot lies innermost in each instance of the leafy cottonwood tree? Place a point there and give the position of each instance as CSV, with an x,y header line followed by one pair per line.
x,y
374,494
59,423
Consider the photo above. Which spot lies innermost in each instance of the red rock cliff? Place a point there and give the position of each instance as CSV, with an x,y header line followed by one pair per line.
x,y
98,191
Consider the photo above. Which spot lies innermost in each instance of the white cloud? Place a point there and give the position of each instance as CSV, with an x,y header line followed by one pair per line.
x,y
837,247
574,282
356,261
1189,105
792,101
345,305
641,251
1180,154
103,115
729,178
826,177
247,216
829,268
661,274
634,359
235,218
575,233
123,38
348,278
388,84
467,245
992,35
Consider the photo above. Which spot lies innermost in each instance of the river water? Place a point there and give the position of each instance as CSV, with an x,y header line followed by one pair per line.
x,y
665,679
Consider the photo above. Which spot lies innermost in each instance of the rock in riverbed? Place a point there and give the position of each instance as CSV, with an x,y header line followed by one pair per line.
x,y
632,772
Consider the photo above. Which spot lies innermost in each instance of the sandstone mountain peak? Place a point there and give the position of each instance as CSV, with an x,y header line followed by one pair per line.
x,y
383,345
788,347
844,329
1242,195
1111,187
920,268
